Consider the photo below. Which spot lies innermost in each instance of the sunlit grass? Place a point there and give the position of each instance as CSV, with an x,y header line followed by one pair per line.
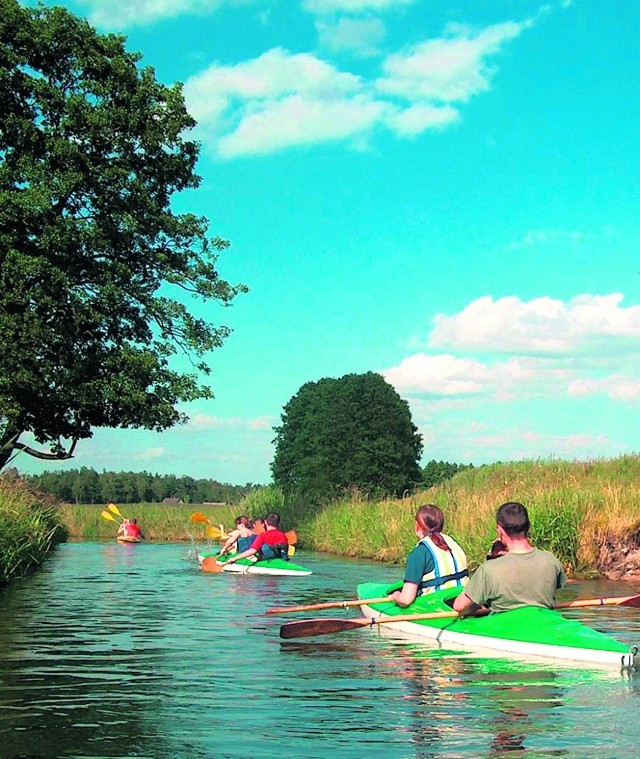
x,y
29,528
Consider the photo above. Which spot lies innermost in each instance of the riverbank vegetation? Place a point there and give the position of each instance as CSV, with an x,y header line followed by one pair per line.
x,y
30,526
586,513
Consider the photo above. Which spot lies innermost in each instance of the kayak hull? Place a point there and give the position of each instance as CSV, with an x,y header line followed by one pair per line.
x,y
527,632
125,539
265,567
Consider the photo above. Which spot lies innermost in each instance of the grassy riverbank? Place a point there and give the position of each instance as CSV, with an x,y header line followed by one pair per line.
x,y
29,527
586,513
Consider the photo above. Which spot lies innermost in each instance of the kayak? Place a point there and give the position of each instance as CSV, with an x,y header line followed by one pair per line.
x,y
263,567
527,632
127,539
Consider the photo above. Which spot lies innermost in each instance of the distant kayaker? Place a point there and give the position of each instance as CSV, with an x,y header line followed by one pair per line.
x,y
271,544
241,538
435,563
524,576
130,529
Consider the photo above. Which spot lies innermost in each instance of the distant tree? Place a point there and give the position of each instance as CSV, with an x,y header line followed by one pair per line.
x,y
352,432
435,472
94,263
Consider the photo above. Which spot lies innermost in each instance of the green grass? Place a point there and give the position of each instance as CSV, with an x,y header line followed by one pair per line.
x,y
29,528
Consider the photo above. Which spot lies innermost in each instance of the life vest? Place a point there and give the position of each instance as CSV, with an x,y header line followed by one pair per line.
x,y
243,543
450,569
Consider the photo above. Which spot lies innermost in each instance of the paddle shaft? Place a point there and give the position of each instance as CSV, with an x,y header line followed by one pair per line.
x,y
327,605
633,601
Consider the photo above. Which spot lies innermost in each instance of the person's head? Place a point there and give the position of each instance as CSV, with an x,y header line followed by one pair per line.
x,y
512,517
134,521
429,522
498,548
258,525
272,520
429,518
243,521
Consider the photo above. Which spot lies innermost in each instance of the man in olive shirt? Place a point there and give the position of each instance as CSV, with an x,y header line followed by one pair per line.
x,y
524,576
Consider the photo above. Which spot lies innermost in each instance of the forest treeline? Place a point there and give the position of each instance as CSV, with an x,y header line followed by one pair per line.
x,y
88,486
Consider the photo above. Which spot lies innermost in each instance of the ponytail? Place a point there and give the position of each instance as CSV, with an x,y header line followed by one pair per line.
x,y
431,520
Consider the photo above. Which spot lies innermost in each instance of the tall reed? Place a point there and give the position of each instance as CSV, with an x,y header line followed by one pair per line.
x,y
29,528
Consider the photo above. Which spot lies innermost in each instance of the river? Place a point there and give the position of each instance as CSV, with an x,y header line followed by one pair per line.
x,y
131,651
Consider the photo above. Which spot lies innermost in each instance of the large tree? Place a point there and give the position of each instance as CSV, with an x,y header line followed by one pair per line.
x,y
352,432
97,271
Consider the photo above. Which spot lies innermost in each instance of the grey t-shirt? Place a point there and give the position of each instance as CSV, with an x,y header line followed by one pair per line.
x,y
517,579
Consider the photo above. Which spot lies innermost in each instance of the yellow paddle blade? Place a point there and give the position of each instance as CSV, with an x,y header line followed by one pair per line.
x,y
110,517
112,507
198,516
214,532
291,550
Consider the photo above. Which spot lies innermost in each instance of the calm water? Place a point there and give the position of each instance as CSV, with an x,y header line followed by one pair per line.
x,y
131,651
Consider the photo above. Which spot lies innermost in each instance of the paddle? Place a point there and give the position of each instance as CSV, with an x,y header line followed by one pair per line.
x,y
113,508
110,517
210,564
632,601
310,627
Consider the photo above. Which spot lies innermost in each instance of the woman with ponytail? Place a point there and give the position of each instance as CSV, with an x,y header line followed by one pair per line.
x,y
435,563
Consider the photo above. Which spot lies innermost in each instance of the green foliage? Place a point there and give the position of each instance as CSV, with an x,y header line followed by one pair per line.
x,y
29,528
341,434
435,472
88,486
92,258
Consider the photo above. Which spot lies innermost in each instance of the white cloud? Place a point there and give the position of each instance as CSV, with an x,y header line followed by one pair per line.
x,y
150,454
124,13
281,99
418,118
360,37
207,423
546,236
298,120
351,6
449,69
588,324
617,387
438,375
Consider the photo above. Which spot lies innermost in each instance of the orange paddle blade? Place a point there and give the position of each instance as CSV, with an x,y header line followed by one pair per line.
x,y
198,516
210,564
292,537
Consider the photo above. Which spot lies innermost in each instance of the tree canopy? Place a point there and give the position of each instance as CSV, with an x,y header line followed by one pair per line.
x,y
96,270
351,432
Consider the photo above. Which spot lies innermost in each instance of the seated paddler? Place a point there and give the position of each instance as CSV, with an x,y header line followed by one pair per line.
x,y
436,562
523,576
241,537
271,544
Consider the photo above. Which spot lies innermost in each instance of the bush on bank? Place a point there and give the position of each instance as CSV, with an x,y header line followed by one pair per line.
x,y
29,528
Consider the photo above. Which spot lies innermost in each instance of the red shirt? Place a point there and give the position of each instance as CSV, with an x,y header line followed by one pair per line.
x,y
132,531
271,538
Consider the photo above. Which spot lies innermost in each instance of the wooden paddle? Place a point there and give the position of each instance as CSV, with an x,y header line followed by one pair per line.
x,y
310,627
633,601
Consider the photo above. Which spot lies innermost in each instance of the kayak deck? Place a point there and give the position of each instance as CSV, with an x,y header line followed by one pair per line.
x,y
263,567
127,539
529,631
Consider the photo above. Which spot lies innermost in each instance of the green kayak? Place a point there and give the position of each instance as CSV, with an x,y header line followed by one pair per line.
x,y
263,567
530,631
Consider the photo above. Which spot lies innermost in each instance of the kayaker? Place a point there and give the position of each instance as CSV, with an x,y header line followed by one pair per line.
x,y
258,526
435,563
271,544
524,576
130,529
241,538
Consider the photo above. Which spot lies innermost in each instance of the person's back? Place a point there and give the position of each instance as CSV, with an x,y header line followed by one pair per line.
x,y
515,580
524,576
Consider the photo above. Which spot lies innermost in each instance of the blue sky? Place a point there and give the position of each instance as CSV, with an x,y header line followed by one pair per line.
x,y
443,192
